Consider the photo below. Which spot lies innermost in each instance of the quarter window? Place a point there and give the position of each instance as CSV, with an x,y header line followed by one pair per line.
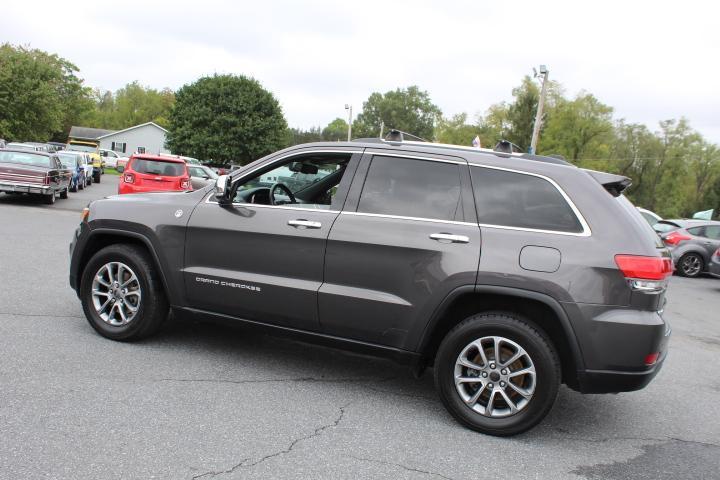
x,y
518,200
412,188
712,231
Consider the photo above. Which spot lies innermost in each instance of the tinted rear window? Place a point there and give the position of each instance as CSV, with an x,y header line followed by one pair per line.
x,y
523,201
411,188
158,167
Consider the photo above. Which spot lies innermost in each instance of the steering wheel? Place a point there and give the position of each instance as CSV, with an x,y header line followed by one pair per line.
x,y
281,186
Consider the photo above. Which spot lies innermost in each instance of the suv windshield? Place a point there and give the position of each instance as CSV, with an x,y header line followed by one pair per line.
x,y
82,147
25,159
158,167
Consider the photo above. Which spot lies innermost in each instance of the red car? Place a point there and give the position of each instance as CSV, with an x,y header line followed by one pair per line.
x,y
154,173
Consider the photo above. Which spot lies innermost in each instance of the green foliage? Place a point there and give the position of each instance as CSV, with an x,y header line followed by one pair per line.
x,y
456,130
409,110
579,128
335,130
40,95
132,105
226,118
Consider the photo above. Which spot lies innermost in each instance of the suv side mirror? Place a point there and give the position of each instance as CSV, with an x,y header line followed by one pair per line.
x,y
222,189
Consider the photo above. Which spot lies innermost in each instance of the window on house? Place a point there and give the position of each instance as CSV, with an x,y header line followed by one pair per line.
x,y
141,150
118,147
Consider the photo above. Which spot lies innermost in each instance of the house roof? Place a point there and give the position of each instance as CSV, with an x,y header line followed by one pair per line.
x,y
111,133
86,133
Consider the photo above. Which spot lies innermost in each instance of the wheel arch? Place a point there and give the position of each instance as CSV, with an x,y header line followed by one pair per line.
x,y
102,237
543,310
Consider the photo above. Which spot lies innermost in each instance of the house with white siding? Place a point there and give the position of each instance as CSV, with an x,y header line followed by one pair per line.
x,y
144,138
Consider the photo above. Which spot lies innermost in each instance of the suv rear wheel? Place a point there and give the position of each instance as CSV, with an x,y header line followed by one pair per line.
x,y
122,294
497,373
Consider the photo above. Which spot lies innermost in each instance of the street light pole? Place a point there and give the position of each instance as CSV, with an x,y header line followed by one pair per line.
x,y
541,103
348,107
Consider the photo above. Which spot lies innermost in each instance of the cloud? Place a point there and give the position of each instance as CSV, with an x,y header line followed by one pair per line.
x,y
649,60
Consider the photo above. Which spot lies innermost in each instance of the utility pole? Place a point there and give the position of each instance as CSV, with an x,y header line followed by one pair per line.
x,y
382,128
348,107
541,103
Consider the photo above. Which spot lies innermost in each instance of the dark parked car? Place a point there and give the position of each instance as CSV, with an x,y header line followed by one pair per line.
x,y
508,273
34,173
692,243
73,164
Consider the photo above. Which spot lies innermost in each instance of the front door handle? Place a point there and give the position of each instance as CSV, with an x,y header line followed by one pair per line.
x,y
302,223
450,238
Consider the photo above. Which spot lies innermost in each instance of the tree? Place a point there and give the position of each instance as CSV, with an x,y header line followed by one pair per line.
x,y
40,94
409,110
335,130
456,130
226,118
132,105
579,128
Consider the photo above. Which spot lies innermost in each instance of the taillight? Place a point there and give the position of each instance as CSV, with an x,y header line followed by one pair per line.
x,y
644,268
674,238
717,253
645,274
129,178
651,358
185,183
46,180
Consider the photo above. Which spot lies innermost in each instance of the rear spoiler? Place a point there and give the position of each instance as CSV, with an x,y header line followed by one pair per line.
x,y
614,184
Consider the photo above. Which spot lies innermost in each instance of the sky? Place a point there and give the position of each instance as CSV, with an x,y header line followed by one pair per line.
x,y
650,60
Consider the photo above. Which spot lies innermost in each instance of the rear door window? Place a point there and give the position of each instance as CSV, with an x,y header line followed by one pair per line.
x,y
158,167
411,187
712,232
518,200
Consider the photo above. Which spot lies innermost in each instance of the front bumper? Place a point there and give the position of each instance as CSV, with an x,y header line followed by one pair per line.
x,y
21,187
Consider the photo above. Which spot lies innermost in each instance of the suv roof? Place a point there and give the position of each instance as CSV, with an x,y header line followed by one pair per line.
x,y
161,158
447,146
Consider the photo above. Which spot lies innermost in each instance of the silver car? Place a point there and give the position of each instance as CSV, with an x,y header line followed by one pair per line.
x,y
692,244
201,176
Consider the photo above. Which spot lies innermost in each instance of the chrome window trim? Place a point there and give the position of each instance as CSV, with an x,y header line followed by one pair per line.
x,y
290,154
279,207
586,227
401,217
414,157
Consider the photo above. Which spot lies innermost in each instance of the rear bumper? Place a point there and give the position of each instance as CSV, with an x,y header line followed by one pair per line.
x,y
610,381
714,267
20,187
615,342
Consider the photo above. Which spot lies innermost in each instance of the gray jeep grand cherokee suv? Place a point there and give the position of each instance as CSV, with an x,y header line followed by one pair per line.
x,y
509,274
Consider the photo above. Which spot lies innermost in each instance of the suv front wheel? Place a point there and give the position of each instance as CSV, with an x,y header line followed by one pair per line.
x,y
497,373
122,294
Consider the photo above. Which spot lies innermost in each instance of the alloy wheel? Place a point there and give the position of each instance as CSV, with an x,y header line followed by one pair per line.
x,y
495,377
116,294
691,265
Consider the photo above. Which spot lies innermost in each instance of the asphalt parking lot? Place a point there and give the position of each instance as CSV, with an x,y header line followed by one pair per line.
x,y
203,401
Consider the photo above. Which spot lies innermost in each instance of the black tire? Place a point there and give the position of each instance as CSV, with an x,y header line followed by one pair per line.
x,y
153,308
695,259
89,181
525,334
81,183
97,177
64,193
49,199
74,186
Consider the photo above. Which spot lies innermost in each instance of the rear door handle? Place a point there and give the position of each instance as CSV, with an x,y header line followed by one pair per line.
x,y
448,237
301,223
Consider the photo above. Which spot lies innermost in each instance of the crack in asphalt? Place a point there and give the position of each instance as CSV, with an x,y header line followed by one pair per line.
x,y
18,314
316,433
569,436
404,467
